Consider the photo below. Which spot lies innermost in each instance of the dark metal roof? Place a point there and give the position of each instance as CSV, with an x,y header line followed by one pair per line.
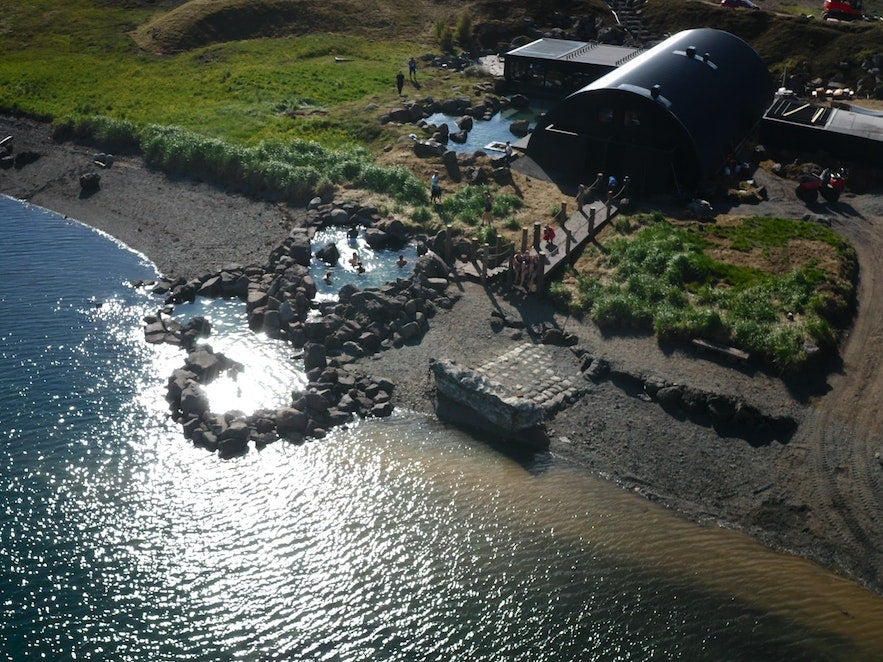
x,y
849,133
575,51
708,82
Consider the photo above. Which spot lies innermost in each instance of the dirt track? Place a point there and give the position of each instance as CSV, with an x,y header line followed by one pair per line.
x,y
818,494
829,478
837,461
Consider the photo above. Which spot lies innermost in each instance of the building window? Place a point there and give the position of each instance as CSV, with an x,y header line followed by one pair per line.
x,y
605,115
632,118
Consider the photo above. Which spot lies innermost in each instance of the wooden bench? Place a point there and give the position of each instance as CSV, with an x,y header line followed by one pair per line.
x,y
726,351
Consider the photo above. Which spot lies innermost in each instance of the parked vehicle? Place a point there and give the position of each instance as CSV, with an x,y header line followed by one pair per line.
x,y
842,10
829,183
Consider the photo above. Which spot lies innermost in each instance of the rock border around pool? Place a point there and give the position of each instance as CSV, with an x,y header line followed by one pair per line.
x,y
280,301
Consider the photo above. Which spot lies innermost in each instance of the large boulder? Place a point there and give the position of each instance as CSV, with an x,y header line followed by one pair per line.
x,y
205,364
395,229
289,419
428,149
376,238
519,127
89,181
314,356
194,401
329,253
299,246
401,115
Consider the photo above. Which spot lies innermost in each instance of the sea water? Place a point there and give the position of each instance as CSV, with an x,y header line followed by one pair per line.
x,y
394,539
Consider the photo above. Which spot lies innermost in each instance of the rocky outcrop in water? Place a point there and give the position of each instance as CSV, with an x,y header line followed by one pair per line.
x,y
333,396
279,299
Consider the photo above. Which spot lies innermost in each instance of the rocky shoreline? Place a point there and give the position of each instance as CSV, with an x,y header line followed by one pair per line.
x,y
781,484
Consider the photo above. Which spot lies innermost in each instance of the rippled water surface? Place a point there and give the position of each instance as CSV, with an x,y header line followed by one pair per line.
x,y
392,540
494,130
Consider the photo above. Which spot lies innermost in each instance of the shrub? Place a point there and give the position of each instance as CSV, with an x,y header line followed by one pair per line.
x,y
106,132
614,308
421,215
486,234
295,171
464,30
445,39
561,295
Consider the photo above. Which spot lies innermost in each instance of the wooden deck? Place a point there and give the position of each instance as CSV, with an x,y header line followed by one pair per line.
x,y
570,236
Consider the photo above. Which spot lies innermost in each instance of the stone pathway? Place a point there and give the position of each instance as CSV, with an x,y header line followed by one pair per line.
x,y
547,375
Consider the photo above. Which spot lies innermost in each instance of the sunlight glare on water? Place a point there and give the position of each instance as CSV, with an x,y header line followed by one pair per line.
x,y
394,539
271,370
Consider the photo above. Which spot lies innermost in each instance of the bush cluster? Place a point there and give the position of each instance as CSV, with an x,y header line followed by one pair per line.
x,y
664,281
293,171
467,205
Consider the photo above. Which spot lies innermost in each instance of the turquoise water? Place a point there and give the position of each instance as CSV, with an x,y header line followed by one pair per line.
x,y
494,130
398,539
380,266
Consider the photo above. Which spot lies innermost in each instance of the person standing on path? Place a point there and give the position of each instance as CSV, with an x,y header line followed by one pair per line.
x,y
488,207
412,70
400,82
510,154
434,188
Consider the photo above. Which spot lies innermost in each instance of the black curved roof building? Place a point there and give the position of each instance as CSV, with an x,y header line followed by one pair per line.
x,y
667,118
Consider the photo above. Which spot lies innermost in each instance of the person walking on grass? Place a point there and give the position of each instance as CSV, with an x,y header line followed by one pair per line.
x,y
412,70
488,207
400,82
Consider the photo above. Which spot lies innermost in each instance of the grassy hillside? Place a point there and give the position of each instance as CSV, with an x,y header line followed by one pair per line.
x,y
201,22
203,67
826,49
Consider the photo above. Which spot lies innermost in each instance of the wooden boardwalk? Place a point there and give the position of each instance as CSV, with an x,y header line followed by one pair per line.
x,y
569,237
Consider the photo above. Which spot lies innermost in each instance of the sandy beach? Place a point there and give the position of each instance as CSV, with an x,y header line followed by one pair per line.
x,y
820,494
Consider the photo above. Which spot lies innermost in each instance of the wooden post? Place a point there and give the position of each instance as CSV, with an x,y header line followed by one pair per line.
x,y
474,250
536,236
449,244
487,252
609,203
591,223
510,275
498,251
567,246
541,271
523,239
562,215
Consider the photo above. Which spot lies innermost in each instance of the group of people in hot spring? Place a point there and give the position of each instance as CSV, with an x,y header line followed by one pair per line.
x,y
356,260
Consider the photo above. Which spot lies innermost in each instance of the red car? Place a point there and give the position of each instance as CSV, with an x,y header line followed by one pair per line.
x,y
746,4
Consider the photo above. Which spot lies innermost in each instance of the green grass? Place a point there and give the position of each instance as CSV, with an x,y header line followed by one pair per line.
x,y
245,91
247,114
665,281
466,205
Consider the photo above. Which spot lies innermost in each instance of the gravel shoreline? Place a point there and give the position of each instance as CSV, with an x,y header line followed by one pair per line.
x,y
791,496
